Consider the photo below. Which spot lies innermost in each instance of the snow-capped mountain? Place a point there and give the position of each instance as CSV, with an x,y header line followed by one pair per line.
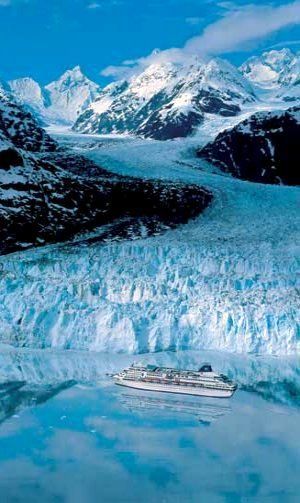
x,y
58,102
70,94
277,71
268,69
263,148
168,100
30,94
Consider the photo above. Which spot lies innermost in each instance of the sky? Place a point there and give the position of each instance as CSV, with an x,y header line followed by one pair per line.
x,y
110,38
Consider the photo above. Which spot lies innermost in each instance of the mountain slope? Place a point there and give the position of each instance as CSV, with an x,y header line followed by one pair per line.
x,y
167,100
58,102
263,148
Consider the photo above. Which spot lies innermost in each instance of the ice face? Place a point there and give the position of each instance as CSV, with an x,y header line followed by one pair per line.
x,y
226,280
133,298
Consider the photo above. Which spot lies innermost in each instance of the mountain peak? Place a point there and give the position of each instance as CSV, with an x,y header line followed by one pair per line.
x,y
76,71
269,69
275,72
277,59
71,75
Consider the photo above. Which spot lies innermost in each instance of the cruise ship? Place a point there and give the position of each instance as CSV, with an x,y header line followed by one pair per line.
x,y
202,382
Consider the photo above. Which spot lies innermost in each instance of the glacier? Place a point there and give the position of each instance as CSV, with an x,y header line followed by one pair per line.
x,y
226,281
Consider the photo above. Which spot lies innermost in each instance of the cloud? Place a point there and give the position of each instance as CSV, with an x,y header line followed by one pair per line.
x,y
284,44
132,67
93,5
104,4
193,21
237,27
228,5
244,25
7,3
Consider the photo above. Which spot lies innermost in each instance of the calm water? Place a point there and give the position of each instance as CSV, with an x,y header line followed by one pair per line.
x,y
66,441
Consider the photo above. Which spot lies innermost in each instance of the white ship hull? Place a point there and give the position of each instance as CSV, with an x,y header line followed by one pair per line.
x,y
172,388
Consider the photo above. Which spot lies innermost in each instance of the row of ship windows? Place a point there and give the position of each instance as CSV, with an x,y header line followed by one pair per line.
x,y
182,383
143,374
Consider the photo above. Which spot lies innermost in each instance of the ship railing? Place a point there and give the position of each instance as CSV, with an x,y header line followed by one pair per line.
x,y
179,382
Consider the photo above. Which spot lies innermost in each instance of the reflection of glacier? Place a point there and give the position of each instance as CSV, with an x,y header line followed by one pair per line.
x,y
225,281
205,413
18,395
273,378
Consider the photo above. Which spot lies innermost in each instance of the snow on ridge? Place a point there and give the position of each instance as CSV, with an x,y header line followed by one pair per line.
x,y
101,106
152,80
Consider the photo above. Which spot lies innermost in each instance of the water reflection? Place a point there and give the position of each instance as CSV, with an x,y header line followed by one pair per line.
x,y
274,379
94,441
16,396
205,411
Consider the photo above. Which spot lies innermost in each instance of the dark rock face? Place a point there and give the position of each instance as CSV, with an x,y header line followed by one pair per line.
x,y
166,122
211,103
19,126
51,204
263,148
48,195
10,158
176,126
